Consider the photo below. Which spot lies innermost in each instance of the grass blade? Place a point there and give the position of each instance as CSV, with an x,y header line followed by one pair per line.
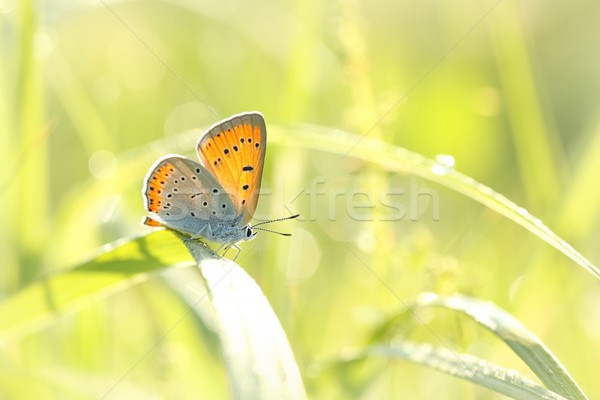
x,y
397,159
257,354
524,343
467,367
120,266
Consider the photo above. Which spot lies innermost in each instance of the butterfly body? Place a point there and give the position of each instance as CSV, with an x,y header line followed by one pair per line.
x,y
214,199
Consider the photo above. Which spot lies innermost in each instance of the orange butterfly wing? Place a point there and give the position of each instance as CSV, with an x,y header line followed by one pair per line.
x,y
233,150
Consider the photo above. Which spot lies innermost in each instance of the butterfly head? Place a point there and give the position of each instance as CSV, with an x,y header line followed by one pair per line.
x,y
251,230
248,233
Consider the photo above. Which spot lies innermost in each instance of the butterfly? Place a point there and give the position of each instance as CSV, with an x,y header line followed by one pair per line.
x,y
217,198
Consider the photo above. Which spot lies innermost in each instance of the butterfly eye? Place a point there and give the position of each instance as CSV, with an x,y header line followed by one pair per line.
x,y
249,232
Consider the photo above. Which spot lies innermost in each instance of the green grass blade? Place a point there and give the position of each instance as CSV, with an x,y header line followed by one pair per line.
x,y
32,205
397,159
465,366
579,215
524,343
256,351
117,268
257,354
537,147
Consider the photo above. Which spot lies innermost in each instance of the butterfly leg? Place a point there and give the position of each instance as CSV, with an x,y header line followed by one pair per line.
x,y
235,246
200,232
221,246
229,246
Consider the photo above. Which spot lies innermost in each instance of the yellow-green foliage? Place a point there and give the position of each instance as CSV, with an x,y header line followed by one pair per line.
x,y
93,92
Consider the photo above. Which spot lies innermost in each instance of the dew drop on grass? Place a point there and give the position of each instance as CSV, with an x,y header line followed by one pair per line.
x,y
444,164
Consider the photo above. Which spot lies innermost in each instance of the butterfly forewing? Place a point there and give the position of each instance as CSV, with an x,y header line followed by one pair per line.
x,y
183,195
234,151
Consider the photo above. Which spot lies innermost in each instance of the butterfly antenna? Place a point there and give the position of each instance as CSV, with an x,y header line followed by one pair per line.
x,y
276,220
268,230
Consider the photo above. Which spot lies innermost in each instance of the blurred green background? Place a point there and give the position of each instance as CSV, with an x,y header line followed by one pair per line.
x,y
92,92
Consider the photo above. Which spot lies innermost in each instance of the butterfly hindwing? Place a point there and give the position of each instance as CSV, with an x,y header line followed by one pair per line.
x,y
233,151
181,194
